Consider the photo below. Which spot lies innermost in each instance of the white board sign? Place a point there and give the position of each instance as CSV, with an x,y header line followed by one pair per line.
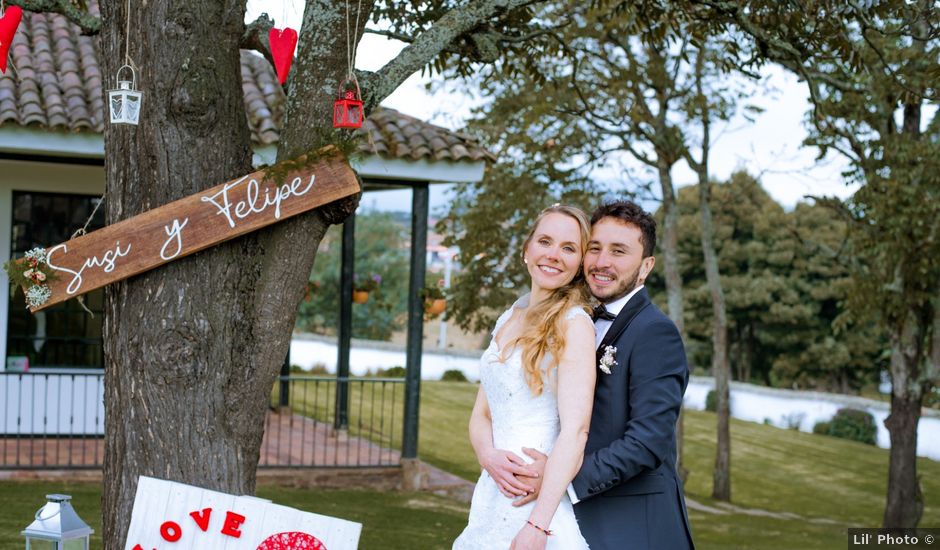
x,y
173,516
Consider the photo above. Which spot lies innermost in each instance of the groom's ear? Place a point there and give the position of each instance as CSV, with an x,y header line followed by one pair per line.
x,y
646,267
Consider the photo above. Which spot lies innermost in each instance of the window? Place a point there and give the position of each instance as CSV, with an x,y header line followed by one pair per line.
x,y
64,335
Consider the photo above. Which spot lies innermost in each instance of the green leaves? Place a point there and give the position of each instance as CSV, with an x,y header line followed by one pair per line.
x,y
785,277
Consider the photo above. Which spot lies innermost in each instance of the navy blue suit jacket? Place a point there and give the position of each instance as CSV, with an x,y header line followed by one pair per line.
x,y
630,494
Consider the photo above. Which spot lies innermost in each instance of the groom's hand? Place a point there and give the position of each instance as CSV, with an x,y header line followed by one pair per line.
x,y
506,468
535,483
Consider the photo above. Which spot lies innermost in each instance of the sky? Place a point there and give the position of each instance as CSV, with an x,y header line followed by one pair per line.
x,y
769,147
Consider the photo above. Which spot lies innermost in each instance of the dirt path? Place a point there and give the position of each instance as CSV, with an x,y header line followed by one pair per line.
x,y
724,508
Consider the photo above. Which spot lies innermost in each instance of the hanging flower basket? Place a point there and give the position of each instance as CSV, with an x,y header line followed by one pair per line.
x,y
362,286
435,307
434,300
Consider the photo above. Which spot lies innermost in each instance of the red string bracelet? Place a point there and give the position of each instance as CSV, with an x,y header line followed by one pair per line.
x,y
546,531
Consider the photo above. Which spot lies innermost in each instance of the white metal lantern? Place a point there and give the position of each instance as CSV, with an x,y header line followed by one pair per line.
x,y
125,101
57,527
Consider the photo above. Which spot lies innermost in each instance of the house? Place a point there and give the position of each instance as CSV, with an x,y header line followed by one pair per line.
x,y
52,179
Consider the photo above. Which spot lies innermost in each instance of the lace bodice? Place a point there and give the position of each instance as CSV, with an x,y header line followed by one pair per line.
x,y
520,419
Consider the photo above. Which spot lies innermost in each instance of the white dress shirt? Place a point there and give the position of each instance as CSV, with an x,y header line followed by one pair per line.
x,y
601,326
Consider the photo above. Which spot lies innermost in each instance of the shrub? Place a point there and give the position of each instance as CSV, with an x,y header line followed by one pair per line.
x,y
711,401
391,372
318,369
453,375
794,420
821,427
853,424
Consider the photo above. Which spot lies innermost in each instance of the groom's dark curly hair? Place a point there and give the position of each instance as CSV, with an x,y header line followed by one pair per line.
x,y
630,212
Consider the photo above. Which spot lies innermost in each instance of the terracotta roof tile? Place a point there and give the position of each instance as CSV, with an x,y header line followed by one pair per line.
x,y
54,81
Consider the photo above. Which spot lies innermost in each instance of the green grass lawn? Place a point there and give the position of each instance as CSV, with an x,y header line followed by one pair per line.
x,y
834,483
390,520
772,469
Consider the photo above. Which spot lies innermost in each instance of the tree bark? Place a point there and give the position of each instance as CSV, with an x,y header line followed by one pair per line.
x,y
905,502
185,398
670,245
721,488
721,367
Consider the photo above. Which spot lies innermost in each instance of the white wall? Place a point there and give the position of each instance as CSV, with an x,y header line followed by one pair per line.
x,y
43,177
789,408
307,352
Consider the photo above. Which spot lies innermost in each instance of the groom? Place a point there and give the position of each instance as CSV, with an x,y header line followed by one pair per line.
x,y
627,493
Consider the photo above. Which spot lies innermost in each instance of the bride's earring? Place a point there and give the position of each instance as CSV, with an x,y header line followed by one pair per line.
x,y
525,260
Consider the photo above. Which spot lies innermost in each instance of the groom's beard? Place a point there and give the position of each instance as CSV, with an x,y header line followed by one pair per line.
x,y
623,287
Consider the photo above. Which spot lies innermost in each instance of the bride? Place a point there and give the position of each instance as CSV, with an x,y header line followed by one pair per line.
x,y
537,386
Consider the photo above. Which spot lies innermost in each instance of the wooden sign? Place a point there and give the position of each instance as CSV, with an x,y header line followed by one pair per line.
x,y
169,515
196,222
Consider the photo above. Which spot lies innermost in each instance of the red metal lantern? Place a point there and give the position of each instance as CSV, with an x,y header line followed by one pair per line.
x,y
347,110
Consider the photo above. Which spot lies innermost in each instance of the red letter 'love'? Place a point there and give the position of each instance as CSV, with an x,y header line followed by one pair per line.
x,y
202,518
232,522
171,531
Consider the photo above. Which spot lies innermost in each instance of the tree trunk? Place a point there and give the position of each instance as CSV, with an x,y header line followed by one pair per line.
x,y
721,489
721,368
193,348
905,503
670,244
749,353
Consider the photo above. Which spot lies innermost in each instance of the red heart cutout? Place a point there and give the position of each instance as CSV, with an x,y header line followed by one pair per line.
x,y
293,540
8,24
283,43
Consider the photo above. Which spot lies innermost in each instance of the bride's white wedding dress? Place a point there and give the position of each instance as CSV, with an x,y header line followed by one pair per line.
x,y
519,420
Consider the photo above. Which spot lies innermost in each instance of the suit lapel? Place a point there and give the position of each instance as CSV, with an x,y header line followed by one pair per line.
x,y
634,306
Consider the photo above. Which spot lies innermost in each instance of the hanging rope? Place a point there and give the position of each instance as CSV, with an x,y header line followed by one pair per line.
x,y
127,35
84,231
352,42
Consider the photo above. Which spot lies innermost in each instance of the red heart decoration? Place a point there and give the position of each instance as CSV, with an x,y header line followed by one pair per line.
x,y
293,540
283,42
8,24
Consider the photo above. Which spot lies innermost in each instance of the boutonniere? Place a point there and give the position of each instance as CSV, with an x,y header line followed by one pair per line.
x,y
607,361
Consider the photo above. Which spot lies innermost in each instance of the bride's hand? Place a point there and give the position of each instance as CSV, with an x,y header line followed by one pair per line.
x,y
529,538
535,483
503,467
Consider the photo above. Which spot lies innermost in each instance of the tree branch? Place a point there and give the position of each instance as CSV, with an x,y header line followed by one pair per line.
x,y
255,37
430,43
408,39
88,23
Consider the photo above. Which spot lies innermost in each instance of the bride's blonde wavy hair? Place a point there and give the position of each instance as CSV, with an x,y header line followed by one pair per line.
x,y
545,321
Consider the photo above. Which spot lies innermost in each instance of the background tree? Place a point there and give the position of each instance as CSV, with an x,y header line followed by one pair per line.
x,y
381,250
192,349
623,84
871,67
704,107
786,278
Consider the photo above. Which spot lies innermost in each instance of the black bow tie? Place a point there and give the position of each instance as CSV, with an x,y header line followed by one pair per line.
x,y
600,312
